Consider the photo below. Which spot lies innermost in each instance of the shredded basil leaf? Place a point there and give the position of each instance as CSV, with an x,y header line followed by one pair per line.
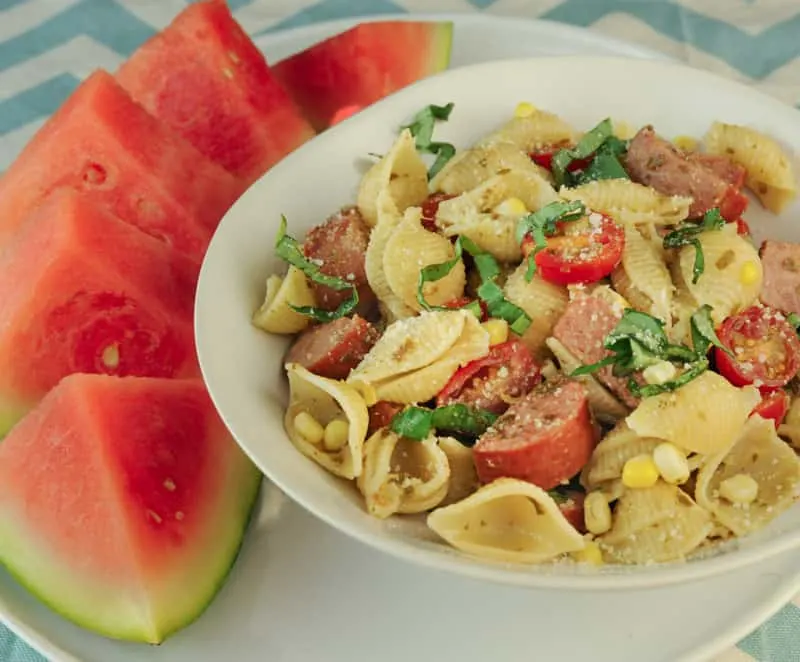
x,y
421,127
587,145
542,224
704,337
489,291
418,422
639,341
687,234
287,248
606,163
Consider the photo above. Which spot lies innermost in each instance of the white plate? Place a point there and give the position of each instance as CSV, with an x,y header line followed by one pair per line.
x,y
362,604
243,366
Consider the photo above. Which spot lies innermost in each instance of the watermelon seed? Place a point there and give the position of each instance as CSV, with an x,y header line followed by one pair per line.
x,y
169,484
228,72
111,356
179,515
234,57
154,516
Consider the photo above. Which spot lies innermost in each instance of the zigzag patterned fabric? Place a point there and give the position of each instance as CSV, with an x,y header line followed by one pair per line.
x,y
48,46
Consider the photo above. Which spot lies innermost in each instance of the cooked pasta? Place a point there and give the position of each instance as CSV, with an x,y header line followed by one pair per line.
x,y
325,401
510,363
402,476
485,216
683,417
769,169
629,203
642,277
534,132
542,301
275,315
722,285
401,174
656,524
507,520
758,460
470,168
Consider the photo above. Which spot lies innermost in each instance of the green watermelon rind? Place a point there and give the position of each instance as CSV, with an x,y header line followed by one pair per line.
x,y
138,635
442,49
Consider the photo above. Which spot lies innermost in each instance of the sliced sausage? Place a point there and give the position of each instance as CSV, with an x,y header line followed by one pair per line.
x,y
781,286
338,246
582,329
656,162
545,438
727,170
505,374
332,350
381,414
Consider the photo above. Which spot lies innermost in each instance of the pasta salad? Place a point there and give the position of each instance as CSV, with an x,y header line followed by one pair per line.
x,y
553,344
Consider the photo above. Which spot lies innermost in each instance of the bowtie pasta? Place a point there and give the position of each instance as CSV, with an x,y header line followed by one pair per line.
x,y
552,345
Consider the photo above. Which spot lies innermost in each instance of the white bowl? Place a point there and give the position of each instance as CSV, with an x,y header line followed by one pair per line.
x,y
243,366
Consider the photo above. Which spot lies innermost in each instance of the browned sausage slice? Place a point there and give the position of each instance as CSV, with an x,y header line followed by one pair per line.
x,y
333,349
582,329
338,246
545,438
781,286
656,162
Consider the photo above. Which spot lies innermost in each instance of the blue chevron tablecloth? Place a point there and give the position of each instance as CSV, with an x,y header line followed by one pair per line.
x,y
48,46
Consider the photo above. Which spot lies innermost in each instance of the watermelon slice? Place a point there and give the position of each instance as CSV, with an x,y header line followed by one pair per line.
x,y
204,77
81,291
103,143
124,503
363,65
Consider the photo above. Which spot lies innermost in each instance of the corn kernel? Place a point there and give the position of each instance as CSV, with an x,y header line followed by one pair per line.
x,y
660,372
591,553
686,143
336,434
672,463
596,513
749,273
511,207
640,472
497,330
524,109
308,427
740,488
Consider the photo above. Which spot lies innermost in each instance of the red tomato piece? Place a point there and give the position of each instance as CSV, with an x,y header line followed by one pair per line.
x,y
429,208
773,406
572,509
545,160
742,228
766,348
584,257
506,373
733,204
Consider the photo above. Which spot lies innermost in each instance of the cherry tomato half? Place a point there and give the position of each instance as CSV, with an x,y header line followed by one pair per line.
x,y
583,257
430,206
544,158
773,406
766,348
508,371
733,204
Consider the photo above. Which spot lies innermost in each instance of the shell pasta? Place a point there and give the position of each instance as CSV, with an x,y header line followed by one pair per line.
x,y
553,344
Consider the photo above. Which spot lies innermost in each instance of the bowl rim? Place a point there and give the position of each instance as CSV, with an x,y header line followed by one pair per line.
x,y
612,577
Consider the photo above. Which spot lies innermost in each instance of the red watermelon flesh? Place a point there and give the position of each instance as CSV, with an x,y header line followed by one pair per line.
x,y
124,503
81,291
362,65
104,144
204,77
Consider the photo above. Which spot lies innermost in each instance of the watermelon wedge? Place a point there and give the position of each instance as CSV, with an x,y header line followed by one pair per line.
x,y
204,77
124,503
362,65
81,291
104,144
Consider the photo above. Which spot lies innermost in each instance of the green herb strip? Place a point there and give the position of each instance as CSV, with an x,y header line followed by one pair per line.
x,y
687,235
418,422
543,223
421,127
287,248
607,149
